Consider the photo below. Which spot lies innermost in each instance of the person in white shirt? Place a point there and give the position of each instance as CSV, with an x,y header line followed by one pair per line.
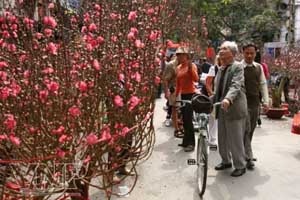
x,y
209,84
255,84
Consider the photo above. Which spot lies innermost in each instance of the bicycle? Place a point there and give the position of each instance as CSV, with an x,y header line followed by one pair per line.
x,y
202,152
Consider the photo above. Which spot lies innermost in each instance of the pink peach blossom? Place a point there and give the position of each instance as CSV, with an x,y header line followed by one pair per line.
x,y
10,122
134,30
15,89
83,29
105,135
14,27
121,77
157,80
114,38
43,95
130,36
5,34
48,32
3,75
4,93
139,44
48,70
92,139
63,138
52,48
51,5
118,101
150,11
96,65
15,140
92,27
86,17
153,36
100,40
87,159
3,137
133,102
97,7
60,152
135,65
137,77
115,16
82,86
74,111
22,58
15,35
50,21
132,16
59,131
53,86
12,47
125,131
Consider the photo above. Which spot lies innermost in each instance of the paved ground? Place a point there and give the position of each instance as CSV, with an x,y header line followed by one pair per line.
x,y
166,176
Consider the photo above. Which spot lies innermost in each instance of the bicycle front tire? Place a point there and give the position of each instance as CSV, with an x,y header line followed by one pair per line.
x,y
202,160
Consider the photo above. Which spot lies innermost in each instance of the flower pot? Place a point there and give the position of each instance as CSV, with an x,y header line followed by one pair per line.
x,y
286,105
276,113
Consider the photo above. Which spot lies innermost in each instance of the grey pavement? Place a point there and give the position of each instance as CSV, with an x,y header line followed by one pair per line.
x,y
166,174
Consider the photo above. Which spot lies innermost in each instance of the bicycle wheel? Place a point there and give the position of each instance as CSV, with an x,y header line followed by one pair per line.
x,y
202,156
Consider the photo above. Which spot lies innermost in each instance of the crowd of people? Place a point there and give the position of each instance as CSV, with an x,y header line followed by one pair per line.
x,y
240,87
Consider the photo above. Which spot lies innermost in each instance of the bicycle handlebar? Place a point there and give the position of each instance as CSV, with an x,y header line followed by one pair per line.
x,y
190,102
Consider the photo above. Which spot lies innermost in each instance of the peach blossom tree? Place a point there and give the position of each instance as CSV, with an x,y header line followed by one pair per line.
x,y
77,93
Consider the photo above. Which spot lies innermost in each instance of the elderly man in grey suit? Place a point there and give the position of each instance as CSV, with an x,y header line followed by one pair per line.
x,y
232,114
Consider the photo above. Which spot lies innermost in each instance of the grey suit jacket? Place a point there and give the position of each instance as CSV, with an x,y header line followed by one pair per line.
x,y
233,88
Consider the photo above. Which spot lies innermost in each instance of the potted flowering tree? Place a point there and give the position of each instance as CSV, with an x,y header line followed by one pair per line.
x,y
286,66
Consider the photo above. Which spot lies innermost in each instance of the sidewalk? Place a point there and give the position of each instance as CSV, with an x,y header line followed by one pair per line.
x,y
166,175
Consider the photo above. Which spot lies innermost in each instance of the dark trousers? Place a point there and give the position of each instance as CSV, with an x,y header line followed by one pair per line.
x,y
253,113
187,117
169,111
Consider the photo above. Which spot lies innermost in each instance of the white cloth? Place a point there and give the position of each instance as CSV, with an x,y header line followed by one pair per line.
x,y
203,78
213,130
212,71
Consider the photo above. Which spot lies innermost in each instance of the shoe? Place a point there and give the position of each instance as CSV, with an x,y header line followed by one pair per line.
x,y
238,172
223,166
250,165
189,148
125,172
168,122
178,133
259,121
181,145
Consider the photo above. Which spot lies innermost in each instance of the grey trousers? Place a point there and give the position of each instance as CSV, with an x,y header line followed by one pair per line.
x,y
253,113
231,140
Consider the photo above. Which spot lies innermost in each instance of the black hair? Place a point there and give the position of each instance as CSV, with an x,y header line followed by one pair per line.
x,y
249,44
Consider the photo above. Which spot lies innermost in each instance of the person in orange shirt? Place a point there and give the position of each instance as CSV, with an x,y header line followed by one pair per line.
x,y
187,76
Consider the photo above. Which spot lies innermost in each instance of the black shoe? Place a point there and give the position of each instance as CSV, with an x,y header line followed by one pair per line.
x,y
238,172
223,166
258,121
181,145
250,165
189,148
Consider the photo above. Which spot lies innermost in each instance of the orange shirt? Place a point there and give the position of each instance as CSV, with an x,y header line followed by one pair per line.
x,y
185,79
